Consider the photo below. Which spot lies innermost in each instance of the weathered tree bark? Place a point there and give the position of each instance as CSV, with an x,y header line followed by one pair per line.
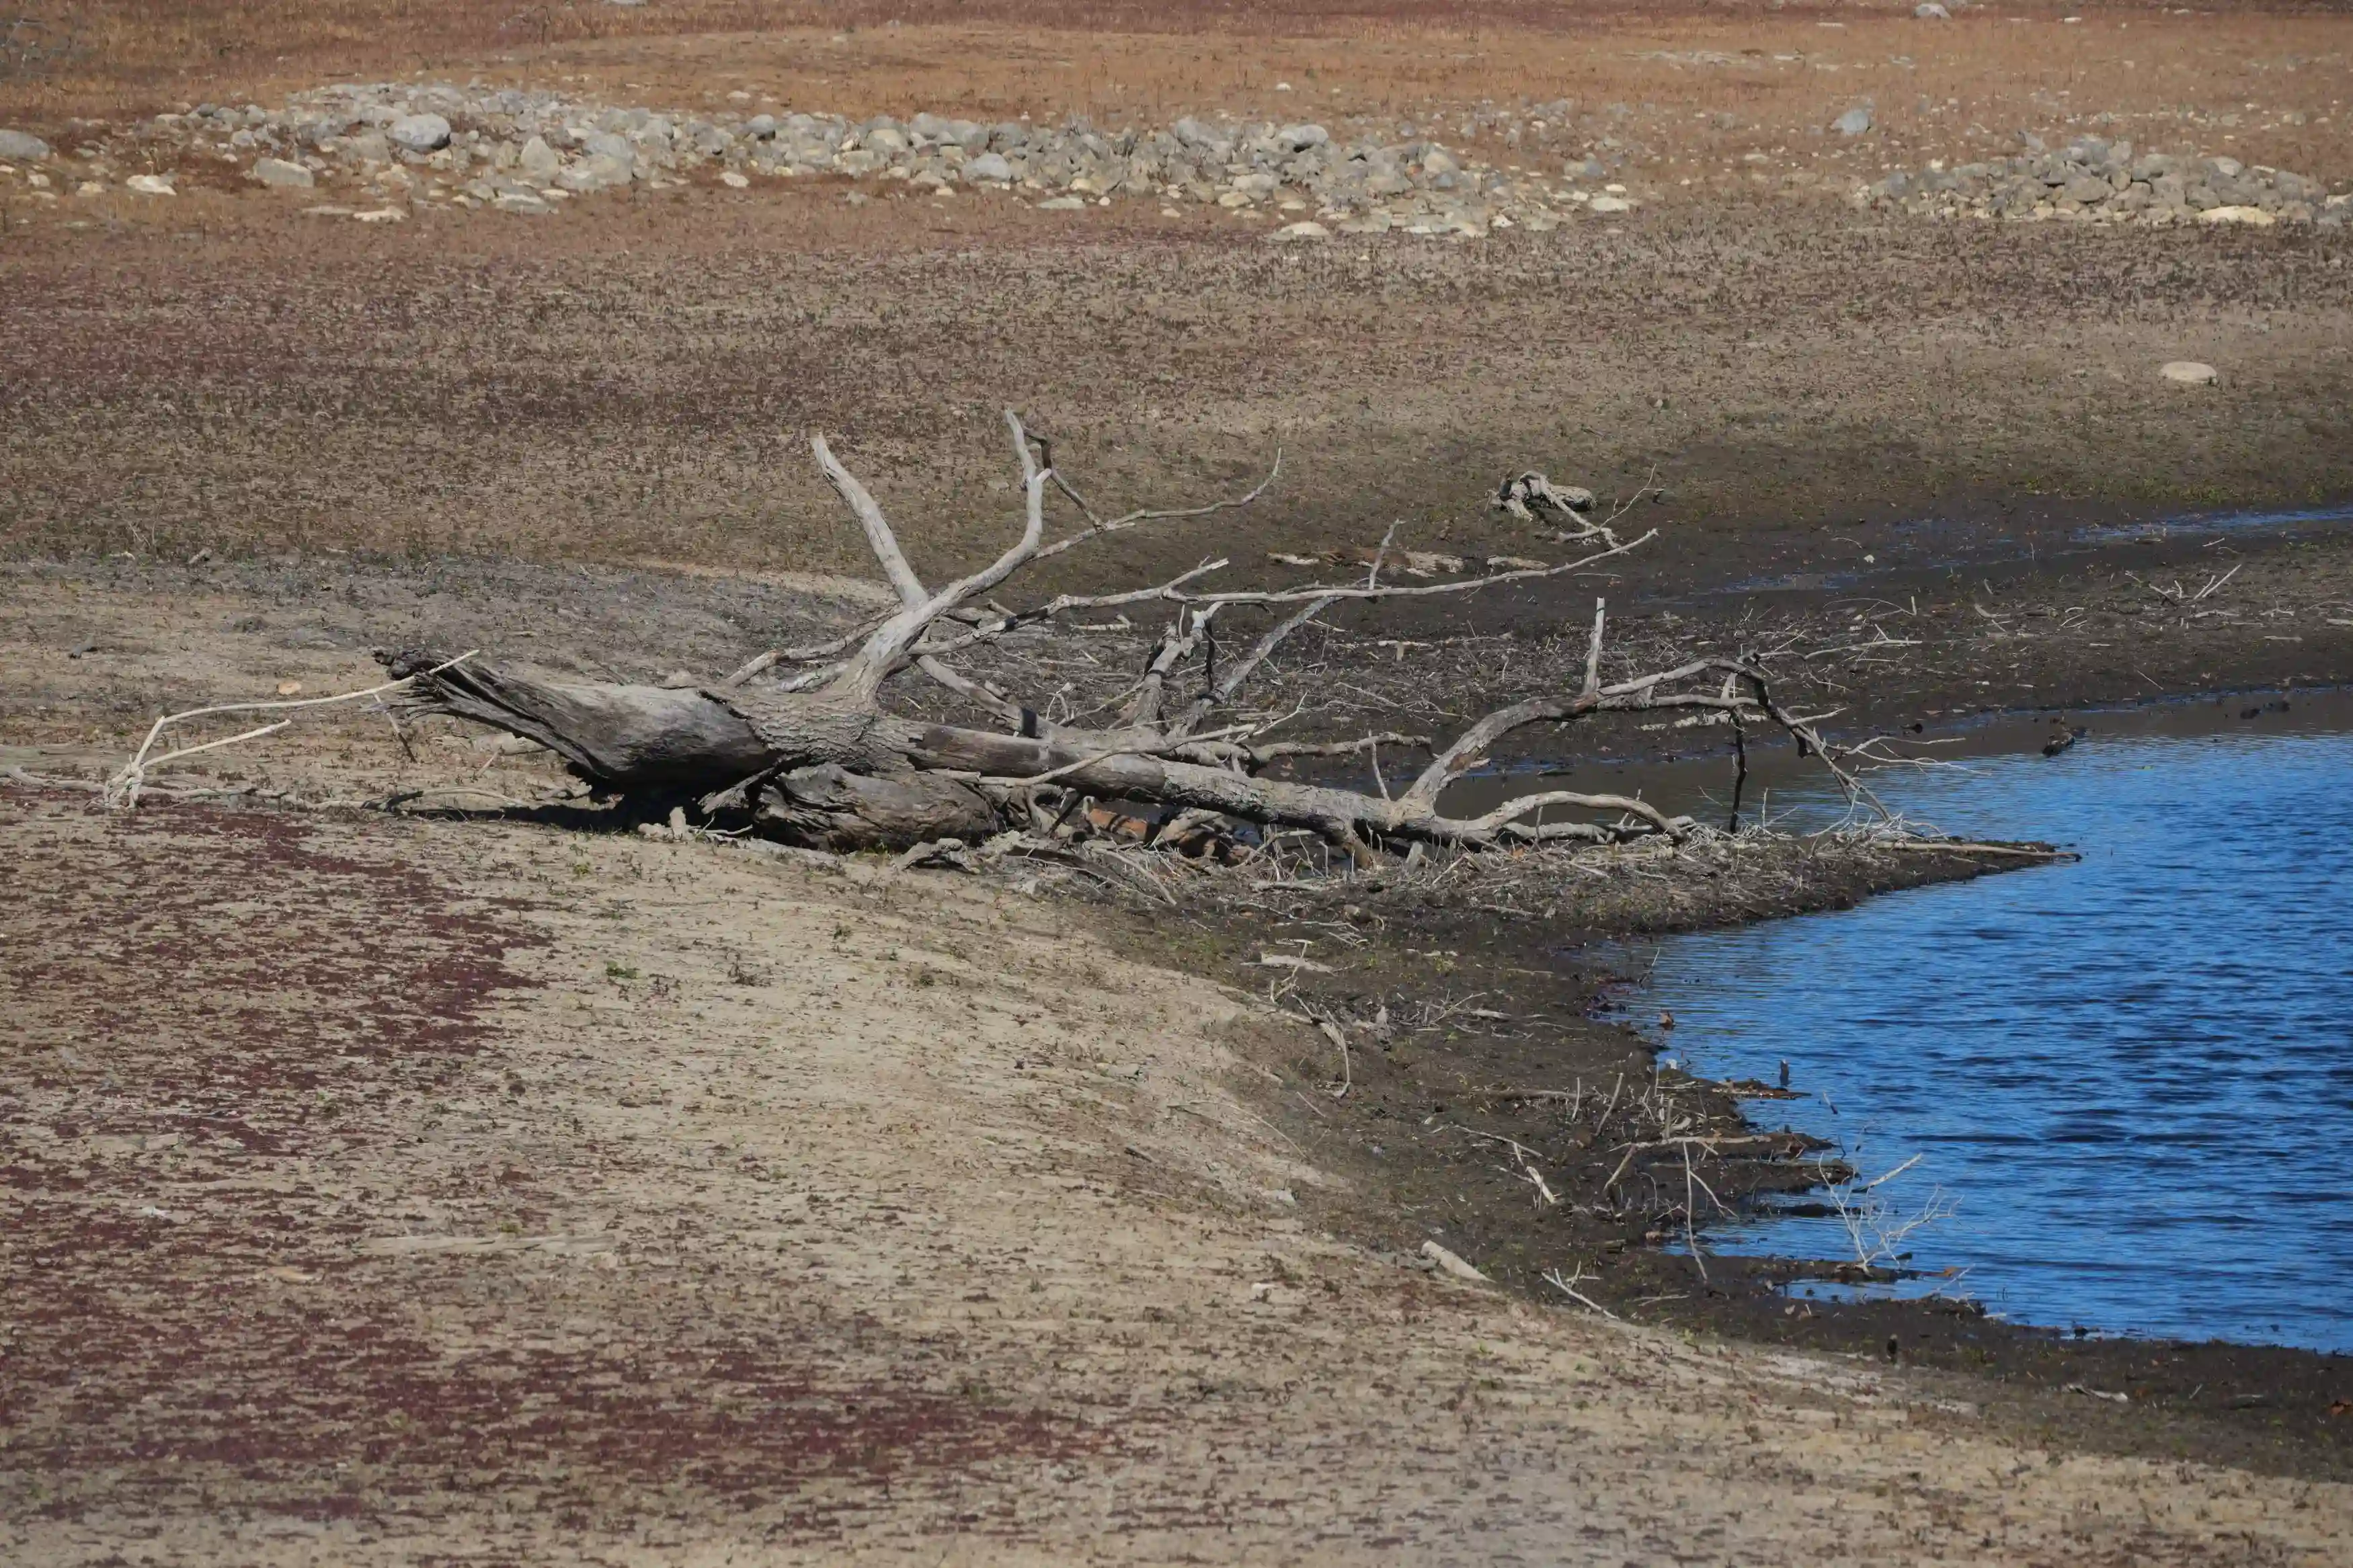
x,y
819,760
829,807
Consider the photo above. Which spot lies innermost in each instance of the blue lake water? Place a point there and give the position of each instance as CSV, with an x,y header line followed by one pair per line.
x,y
2131,1077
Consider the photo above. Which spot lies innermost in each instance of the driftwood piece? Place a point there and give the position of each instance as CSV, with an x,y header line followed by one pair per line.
x,y
829,807
815,757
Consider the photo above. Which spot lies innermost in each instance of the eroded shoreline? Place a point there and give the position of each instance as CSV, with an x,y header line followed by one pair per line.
x,y
108,643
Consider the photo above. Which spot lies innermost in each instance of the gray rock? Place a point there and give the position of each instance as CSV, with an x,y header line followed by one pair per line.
x,y
1853,123
370,148
419,132
597,172
1929,11
760,126
278,171
609,144
22,147
539,161
2087,190
988,166
1298,138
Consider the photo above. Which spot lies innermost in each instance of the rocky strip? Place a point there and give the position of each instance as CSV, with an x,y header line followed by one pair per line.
x,y
528,153
2094,180
377,152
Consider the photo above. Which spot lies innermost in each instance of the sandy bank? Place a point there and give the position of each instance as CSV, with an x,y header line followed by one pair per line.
x,y
389,1189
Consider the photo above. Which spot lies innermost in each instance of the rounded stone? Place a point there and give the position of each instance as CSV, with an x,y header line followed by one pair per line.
x,y
419,132
2187,372
280,173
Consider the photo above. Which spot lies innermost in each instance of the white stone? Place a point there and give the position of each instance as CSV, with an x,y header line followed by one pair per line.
x,y
381,215
278,171
539,161
2253,216
1929,11
1305,230
2188,371
605,144
150,185
419,132
1853,123
1452,1263
734,180
1063,204
593,173
1609,204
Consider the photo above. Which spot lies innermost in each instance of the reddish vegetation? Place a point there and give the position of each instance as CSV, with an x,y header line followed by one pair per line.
x,y
229,1036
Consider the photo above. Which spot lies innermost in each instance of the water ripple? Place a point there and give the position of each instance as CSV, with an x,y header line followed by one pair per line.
x,y
2134,1075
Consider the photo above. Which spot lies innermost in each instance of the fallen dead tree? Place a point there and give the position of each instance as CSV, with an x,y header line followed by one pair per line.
x,y
801,744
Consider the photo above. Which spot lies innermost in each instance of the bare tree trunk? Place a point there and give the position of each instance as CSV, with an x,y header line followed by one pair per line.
x,y
816,757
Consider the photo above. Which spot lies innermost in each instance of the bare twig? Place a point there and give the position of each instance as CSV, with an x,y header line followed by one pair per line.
x,y
122,789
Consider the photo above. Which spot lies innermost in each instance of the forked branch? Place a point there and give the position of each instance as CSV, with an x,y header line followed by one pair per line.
x,y
819,757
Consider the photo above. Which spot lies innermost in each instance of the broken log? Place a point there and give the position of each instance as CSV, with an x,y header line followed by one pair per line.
x,y
815,757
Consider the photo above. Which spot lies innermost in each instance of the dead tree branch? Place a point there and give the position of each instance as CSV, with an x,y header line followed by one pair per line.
x,y
819,757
